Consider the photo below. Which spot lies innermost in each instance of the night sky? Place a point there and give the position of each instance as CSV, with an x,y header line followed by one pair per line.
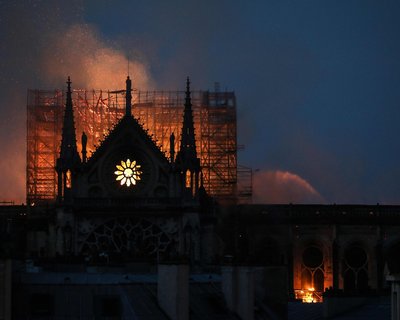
x,y
317,82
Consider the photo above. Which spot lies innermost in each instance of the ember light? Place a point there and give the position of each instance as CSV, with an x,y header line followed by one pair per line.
x,y
309,295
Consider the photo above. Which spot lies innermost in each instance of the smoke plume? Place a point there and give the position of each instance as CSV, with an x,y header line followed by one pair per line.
x,y
91,63
41,44
280,187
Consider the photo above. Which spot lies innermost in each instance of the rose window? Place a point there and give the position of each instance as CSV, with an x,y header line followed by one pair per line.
x,y
128,173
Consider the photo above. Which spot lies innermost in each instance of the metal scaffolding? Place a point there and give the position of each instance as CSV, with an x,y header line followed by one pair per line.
x,y
160,112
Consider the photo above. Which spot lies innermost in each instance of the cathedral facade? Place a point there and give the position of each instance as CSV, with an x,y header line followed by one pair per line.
x,y
128,201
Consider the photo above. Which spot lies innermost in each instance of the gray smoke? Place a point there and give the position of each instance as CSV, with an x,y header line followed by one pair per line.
x,y
43,42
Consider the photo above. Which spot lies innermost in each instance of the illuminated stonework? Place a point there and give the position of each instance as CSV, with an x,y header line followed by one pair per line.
x,y
128,173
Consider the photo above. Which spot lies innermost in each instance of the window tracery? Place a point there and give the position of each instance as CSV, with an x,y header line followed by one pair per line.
x,y
133,237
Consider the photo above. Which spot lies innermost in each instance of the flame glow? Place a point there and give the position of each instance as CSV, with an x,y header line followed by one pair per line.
x,y
308,295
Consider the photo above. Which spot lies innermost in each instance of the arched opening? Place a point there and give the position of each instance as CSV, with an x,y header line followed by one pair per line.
x,y
312,275
355,269
306,279
349,281
68,179
319,280
188,179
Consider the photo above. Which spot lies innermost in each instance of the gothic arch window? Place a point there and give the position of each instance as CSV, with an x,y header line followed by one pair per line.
x,y
355,269
312,273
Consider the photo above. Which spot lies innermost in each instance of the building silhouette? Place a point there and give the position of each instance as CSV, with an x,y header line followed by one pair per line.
x,y
135,211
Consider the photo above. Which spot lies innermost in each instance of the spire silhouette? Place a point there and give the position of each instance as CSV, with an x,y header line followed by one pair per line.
x,y
187,162
188,142
69,157
128,109
69,153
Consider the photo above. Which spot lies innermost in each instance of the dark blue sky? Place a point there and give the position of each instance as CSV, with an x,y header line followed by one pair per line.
x,y
317,82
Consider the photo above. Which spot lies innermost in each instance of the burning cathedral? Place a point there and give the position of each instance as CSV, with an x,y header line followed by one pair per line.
x,y
129,199
137,209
